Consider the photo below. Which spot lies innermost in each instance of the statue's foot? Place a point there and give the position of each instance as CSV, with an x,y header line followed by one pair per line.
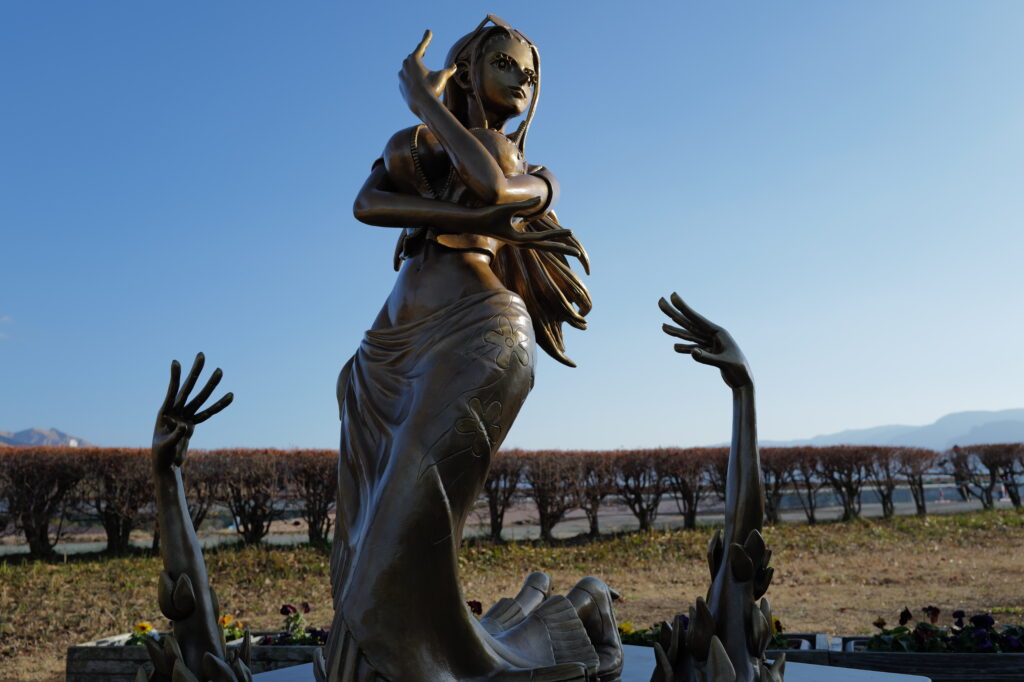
x,y
592,600
562,672
536,588
507,613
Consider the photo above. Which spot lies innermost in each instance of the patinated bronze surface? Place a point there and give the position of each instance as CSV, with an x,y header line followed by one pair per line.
x,y
196,650
439,378
426,401
726,634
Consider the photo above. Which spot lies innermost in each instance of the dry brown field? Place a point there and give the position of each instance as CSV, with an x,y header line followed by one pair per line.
x,y
835,578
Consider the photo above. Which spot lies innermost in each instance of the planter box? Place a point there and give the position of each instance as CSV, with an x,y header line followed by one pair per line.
x,y
109,660
963,667
804,647
939,667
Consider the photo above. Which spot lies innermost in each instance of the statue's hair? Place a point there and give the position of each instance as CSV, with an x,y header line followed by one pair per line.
x,y
553,293
466,53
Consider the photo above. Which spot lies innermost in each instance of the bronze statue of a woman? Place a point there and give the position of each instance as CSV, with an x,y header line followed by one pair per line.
x,y
439,378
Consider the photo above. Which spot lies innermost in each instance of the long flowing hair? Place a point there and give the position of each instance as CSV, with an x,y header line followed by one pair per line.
x,y
553,293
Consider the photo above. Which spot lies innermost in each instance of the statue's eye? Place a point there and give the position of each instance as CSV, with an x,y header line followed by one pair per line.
x,y
531,75
501,61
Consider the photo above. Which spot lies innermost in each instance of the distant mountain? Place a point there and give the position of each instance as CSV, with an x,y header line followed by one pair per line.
x,y
959,428
44,437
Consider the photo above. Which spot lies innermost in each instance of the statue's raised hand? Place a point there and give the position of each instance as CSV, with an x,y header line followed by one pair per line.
x,y
708,343
417,82
177,419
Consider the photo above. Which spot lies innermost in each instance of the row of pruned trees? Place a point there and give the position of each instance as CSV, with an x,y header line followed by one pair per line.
x,y
40,487
558,481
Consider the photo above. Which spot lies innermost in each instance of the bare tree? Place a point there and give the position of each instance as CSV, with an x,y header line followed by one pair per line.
x,y
776,470
807,481
38,486
550,479
882,472
594,481
640,484
914,465
314,477
979,468
248,483
501,486
716,468
844,468
117,486
684,471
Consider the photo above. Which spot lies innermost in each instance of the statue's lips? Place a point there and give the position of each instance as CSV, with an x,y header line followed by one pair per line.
x,y
518,92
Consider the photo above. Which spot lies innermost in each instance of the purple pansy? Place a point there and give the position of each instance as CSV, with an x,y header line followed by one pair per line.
x,y
983,621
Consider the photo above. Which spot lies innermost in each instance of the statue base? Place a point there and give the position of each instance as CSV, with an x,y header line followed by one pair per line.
x,y
640,664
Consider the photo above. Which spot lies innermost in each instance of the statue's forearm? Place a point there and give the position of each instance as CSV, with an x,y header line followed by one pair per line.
x,y
394,209
194,615
472,161
179,545
744,499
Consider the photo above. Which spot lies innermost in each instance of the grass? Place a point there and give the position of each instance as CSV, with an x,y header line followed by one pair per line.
x,y
834,578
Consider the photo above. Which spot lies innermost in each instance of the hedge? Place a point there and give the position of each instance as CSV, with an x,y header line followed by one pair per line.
x,y
41,487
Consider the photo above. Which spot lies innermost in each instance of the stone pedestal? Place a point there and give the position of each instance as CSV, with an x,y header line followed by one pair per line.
x,y
640,664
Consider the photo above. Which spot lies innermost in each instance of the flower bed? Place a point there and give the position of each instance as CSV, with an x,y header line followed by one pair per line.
x,y
114,660
117,658
970,649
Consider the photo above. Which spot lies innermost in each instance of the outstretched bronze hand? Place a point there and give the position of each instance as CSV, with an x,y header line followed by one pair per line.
x,y
709,343
196,650
728,632
177,419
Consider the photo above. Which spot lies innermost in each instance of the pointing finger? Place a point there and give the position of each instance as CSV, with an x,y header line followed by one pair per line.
x,y
421,49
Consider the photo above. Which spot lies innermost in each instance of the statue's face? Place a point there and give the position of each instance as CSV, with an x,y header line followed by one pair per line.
x,y
507,77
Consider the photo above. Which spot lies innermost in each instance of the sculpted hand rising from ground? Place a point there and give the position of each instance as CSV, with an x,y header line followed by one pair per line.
x,y
177,419
709,343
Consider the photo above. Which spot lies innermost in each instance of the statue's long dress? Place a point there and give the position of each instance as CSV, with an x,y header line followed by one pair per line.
x,y
424,407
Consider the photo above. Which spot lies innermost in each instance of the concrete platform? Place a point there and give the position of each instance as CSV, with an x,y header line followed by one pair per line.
x,y
640,664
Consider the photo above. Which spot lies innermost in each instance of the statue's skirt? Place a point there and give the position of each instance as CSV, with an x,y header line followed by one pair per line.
x,y
424,406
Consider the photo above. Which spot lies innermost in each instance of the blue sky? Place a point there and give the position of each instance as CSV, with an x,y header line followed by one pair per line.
x,y
839,184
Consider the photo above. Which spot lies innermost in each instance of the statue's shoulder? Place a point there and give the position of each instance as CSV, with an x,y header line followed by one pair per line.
x,y
412,154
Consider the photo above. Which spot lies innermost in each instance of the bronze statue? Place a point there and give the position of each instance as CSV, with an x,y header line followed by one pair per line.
x,y
439,378
724,638
196,650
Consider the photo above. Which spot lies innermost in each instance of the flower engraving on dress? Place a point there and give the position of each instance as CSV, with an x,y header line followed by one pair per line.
x,y
510,341
482,424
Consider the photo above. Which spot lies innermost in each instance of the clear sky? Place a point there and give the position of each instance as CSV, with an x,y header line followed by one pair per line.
x,y
840,184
